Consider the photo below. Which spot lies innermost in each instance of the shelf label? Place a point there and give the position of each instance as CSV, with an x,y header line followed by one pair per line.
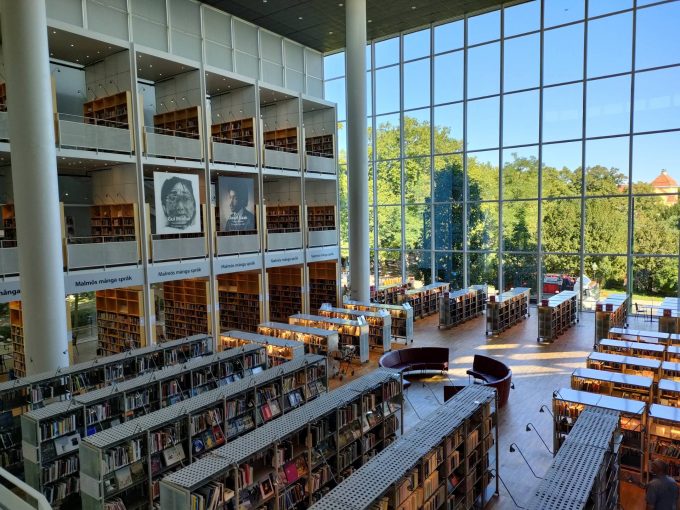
x,y
325,253
286,258
10,291
237,264
88,281
178,271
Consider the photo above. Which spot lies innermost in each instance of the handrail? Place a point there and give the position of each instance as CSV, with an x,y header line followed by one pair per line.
x,y
100,239
153,130
18,495
92,121
232,141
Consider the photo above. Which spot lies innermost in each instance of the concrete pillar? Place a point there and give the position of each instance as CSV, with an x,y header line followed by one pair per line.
x,y
36,191
357,148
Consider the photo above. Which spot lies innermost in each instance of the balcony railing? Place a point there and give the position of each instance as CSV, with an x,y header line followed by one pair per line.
x,y
93,134
165,143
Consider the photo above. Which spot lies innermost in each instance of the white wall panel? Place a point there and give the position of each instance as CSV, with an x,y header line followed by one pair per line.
x,y
108,17
217,26
295,80
272,73
245,37
294,56
186,45
185,15
68,11
246,65
149,34
314,63
219,56
271,48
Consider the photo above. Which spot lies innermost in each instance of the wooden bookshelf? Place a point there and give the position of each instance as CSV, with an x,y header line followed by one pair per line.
x,y
235,132
289,463
664,438
351,333
556,315
388,293
321,146
3,97
506,310
636,349
110,111
284,292
323,284
16,325
633,387
240,298
316,340
638,335
624,364
114,222
187,307
185,123
668,393
9,226
379,324
459,306
279,350
282,140
120,320
425,300
402,316
320,217
673,353
282,219
610,313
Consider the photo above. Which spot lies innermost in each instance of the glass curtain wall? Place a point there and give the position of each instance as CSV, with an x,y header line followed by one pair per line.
x,y
522,145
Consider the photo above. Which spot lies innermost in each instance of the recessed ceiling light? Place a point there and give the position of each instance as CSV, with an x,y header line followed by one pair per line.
x,y
299,17
413,7
87,56
330,33
51,54
370,21
77,60
72,45
54,31
150,65
340,5
160,74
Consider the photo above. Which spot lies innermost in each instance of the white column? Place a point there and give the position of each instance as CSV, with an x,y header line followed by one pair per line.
x,y
357,148
36,191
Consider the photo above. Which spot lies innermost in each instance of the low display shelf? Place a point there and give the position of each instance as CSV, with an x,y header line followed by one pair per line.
x,y
668,314
379,324
461,305
673,353
637,335
279,350
637,349
289,463
556,315
610,313
402,316
624,364
664,437
449,461
316,340
668,393
36,391
178,435
506,310
425,300
633,387
389,294
351,333
567,407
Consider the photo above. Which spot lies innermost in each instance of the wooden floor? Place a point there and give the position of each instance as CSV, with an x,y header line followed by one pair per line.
x,y
538,370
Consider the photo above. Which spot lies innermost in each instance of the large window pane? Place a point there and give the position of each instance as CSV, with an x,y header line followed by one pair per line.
x,y
482,172
522,63
418,267
448,178
448,226
561,226
389,226
610,43
608,106
449,268
656,31
482,123
562,112
520,173
387,52
558,12
334,91
522,18
485,27
520,271
389,264
654,153
520,225
654,278
599,7
483,226
417,174
561,172
655,225
483,269
606,225
416,44
448,123
416,84
520,118
334,65
388,174
387,137
448,77
562,265
563,54
387,90
483,72
609,273
417,132
418,227
607,166
657,99
449,36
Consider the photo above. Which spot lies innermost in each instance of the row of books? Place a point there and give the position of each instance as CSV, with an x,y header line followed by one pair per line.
x,y
205,420
162,439
58,491
122,455
58,427
124,478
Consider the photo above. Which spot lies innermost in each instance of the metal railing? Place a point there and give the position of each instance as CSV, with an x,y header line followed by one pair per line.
x,y
89,133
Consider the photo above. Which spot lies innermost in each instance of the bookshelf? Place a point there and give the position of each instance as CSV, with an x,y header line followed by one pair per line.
x,y
9,226
668,313
180,434
461,305
670,370
279,350
16,331
285,140
320,217
379,324
402,316
235,132
425,300
112,223
388,293
316,340
556,315
668,393
352,333
185,123
110,111
446,462
506,310
282,219
592,451
636,349
673,353
323,284
120,320
285,292
3,97
637,335
568,405
321,146
664,437
610,313
187,307
291,462
624,364
239,296
614,384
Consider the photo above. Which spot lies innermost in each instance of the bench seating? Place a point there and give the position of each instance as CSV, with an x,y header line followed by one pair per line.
x,y
493,373
412,359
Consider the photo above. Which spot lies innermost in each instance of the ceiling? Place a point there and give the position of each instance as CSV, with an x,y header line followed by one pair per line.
x,y
320,24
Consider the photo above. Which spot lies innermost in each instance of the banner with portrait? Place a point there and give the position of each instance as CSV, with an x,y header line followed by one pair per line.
x,y
237,203
177,203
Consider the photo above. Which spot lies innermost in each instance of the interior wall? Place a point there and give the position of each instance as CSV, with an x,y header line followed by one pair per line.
x,y
280,115
109,76
320,192
233,105
147,95
179,92
6,191
71,89
319,122
115,185
282,191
